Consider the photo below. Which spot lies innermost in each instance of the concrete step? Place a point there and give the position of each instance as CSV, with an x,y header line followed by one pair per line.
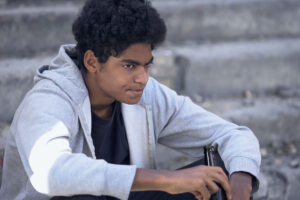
x,y
33,29
16,78
30,31
218,20
274,120
4,131
8,3
16,3
229,69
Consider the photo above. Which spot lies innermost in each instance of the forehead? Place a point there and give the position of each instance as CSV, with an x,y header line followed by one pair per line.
x,y
139,52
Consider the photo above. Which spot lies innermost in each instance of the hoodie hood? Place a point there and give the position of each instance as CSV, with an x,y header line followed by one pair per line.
x,y
65,74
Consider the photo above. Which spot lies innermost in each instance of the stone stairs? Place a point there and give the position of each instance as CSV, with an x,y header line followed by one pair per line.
x,y
201,21
259,66
237,58
47,24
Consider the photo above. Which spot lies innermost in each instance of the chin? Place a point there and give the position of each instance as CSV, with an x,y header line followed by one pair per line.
x,y
132,101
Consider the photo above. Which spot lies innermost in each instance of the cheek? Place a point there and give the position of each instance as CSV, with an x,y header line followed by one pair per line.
x,y
121,83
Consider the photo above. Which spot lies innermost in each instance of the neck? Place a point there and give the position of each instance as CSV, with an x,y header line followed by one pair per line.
x,y
103,113
101,104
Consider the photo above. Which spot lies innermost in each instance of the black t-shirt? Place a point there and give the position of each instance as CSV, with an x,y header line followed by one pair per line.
x,y
109,137
110,141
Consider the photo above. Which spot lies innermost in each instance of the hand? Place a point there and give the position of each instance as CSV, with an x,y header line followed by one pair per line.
x,y
241,185
200,180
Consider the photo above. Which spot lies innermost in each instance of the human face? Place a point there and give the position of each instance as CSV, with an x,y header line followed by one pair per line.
x,y
124,78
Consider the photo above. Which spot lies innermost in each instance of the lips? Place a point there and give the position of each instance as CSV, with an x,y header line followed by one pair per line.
x,y
137,91
141,90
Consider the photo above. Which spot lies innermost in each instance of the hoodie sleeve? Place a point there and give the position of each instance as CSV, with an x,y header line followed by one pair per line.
x,y
43,129
186,127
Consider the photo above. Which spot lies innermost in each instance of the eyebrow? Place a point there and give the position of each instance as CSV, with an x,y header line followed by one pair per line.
x,y
134,62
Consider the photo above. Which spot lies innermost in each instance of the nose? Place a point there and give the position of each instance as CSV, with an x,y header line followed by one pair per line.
x,y
142,75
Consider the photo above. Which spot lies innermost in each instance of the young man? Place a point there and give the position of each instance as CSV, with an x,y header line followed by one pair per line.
x,y
89,127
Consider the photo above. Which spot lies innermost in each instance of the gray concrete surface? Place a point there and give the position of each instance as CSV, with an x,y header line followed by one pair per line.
x,y
31,31
189,22
272,119
16,78
228,69
212,21
13,3
4,131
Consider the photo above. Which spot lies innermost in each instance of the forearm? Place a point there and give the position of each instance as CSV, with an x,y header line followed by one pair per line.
x,y
241,185
197,180
149,179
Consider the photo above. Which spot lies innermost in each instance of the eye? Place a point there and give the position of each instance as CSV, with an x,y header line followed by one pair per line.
x,y
129,66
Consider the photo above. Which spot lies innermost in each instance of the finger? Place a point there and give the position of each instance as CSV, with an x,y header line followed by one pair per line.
x,y
212,186
217,170
197,195
204,193
223,182
221,171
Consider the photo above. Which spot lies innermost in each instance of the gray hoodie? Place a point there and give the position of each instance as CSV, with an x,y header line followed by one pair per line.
x,y
50,150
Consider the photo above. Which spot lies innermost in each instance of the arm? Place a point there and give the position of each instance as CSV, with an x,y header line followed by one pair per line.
x,y
44,128
198,180
241,185
186,127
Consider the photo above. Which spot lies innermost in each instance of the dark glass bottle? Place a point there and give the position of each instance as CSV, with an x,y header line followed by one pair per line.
x,y
210,160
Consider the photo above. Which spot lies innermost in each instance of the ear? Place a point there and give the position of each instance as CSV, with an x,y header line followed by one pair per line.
x,y
91,61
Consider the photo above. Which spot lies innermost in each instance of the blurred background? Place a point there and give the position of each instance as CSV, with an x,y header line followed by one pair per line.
x,y
237,58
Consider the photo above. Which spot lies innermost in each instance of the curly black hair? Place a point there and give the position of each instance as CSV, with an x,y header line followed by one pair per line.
x,y
108,27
